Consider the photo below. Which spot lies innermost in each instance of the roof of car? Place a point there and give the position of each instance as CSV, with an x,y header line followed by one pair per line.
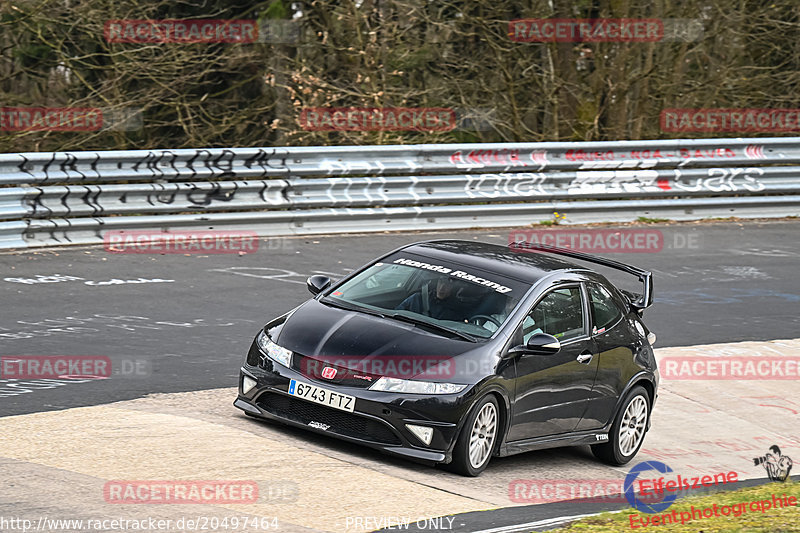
x,y
528,266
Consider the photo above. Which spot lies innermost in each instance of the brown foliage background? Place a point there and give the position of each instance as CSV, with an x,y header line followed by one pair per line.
x,y
389,53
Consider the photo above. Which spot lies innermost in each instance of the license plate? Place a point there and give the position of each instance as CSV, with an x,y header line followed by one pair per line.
x,y
315,394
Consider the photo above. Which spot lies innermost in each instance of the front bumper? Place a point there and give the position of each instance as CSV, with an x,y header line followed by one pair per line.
x,y
378,420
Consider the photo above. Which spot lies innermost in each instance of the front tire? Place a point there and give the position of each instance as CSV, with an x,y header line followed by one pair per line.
x,y
627,432
478,438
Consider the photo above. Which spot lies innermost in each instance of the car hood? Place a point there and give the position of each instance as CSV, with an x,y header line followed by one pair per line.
x,y
337,336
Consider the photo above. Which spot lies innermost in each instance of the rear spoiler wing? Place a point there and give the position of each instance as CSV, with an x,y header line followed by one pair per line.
x,y
644,300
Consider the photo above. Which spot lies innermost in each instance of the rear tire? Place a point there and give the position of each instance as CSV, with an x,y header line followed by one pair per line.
x,y
478,439
628,431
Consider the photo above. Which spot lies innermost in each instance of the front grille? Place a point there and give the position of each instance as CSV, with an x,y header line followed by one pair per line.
x,y
345,375
340,422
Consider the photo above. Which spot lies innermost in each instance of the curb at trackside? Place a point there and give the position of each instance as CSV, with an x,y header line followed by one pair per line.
x,y
545,516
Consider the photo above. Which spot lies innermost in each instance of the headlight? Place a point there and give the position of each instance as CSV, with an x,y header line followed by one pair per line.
x,y
275,352
409,386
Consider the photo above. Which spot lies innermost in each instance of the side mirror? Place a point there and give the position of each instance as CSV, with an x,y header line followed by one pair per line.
x,y
538,344
317,284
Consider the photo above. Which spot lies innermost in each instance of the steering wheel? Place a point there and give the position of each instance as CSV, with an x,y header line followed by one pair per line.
x,y
486,317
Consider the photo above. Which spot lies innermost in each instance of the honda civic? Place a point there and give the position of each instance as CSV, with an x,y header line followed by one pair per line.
x,y
452,352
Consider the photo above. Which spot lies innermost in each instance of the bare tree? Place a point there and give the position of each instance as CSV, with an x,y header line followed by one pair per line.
x,y
454,54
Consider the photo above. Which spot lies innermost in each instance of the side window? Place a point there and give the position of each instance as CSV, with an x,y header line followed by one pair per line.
x,y
604,309
559,313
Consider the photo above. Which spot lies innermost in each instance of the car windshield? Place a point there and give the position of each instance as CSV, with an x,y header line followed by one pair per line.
x,y
447,296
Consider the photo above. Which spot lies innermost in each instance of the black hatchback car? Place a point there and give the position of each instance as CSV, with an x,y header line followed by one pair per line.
x,y
454,351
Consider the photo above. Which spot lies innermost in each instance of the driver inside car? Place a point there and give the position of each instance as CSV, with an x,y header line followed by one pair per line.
x,y
440,303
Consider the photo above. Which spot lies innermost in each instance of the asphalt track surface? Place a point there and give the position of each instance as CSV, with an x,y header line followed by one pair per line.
x,y
722,282
736,282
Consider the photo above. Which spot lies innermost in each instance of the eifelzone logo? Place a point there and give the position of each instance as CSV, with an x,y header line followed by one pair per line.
x,y
319,425
636,501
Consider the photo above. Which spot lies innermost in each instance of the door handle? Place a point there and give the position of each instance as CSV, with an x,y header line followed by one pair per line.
x,y
585,358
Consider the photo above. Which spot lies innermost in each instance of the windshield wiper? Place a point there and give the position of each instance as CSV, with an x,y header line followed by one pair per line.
x,y
425,323
341,304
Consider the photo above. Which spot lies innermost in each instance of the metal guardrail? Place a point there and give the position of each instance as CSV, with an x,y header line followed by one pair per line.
x,y
73,198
